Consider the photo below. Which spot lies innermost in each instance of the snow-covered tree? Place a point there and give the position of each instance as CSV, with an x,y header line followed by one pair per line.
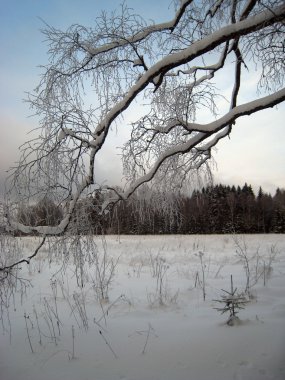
x,y
176,71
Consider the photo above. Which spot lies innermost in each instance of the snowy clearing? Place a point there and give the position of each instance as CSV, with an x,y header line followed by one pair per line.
x,y
153,322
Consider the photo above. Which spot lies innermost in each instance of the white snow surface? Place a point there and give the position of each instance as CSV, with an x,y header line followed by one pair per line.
x,y
183,339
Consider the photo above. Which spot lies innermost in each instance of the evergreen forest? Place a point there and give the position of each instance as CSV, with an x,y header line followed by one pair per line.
x,y
215,209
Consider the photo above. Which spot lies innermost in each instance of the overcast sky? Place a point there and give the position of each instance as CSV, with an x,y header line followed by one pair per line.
x,y
255,153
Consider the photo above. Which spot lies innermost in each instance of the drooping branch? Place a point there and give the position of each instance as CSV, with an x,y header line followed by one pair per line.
x,y
226,33
138,37
27,260
204,132
169,64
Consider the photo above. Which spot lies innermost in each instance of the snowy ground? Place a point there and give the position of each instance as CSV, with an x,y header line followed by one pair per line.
x,y
156,324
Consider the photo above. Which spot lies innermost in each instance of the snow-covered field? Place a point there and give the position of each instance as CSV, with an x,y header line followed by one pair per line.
x,y
156,323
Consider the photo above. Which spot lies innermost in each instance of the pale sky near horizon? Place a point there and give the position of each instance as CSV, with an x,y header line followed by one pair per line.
x,y
255,153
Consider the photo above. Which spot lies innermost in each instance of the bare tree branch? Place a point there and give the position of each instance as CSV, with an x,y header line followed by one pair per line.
x,y
27,260
170,66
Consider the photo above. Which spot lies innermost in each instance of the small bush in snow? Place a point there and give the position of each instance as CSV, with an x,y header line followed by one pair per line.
x,y
233,302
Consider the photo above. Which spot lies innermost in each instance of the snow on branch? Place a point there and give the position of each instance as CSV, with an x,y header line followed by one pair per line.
x,y
241,110
137,37
220,36
204,132
171,67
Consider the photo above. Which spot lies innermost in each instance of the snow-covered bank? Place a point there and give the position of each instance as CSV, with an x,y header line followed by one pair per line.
x,y
155,324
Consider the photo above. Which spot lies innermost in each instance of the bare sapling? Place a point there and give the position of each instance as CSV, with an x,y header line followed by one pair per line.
x,y
251,264
268,262
200,277
155,264
162,296
80,306
160,281
27,318
105,267
137,265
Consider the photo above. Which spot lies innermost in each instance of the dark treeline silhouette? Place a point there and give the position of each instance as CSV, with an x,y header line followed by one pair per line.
x,y
45,212
214,209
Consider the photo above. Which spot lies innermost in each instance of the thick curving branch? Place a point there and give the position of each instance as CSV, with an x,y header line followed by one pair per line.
x,y
164,79
241,110
204,132
210,42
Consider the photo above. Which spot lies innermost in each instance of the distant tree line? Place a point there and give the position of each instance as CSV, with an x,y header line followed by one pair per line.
x,y
212,210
